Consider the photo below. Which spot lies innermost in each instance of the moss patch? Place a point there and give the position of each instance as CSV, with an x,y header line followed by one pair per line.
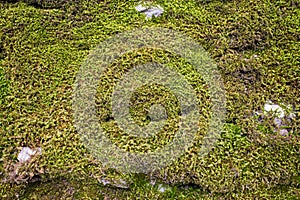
x,y
255,45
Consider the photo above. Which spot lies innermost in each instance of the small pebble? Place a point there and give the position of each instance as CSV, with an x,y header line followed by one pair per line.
x,y
283,132
269,107
26,153
155,11
161,188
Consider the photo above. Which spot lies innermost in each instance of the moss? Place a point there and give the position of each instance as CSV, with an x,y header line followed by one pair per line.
x,y
43,44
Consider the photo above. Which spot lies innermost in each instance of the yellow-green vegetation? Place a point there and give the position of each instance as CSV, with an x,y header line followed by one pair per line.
x,y
255,44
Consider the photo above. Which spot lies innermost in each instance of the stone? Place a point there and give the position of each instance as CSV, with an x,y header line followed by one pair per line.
x,y
27,153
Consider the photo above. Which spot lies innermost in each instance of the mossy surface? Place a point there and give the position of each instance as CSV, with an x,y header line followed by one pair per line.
x,y
256,47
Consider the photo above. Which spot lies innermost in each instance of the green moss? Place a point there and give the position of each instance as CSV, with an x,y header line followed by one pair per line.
x,y
255,45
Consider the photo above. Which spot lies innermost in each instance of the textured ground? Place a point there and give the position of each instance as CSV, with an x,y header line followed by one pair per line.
x,y
256,45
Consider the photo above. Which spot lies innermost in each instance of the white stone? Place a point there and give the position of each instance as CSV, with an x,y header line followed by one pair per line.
x,y
151,11
140,8
283,132
161,188
269,107
27,153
